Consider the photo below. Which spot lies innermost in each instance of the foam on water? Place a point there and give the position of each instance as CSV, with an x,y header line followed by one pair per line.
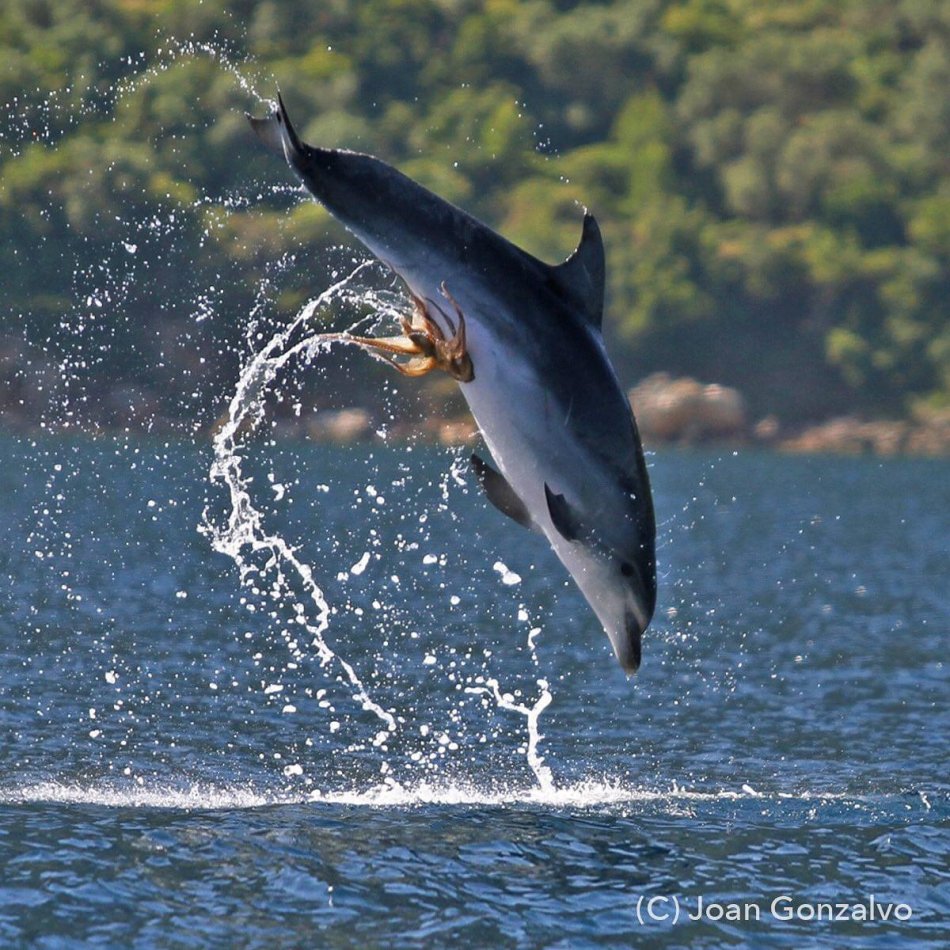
x,y
591,793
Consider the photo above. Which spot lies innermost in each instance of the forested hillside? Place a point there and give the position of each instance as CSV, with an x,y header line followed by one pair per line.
x,y
772,177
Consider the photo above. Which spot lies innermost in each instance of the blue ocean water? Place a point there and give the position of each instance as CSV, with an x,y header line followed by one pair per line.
x,y
180,768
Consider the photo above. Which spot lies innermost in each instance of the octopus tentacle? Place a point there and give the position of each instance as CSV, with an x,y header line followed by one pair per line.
x,y
423,341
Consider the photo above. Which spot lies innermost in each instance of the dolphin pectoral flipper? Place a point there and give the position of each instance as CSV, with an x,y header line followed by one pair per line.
x,y
563,516
501,494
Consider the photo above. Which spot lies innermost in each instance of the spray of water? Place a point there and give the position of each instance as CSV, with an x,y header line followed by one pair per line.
x,y
244,537
532,714
243,534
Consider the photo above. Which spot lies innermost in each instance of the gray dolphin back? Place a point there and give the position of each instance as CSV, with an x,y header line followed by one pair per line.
x,y
403,222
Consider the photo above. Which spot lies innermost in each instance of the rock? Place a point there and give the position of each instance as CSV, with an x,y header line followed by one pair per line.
x,y
722,412
457,432
849,435
931,433
684,410
932,439
767,429
341,425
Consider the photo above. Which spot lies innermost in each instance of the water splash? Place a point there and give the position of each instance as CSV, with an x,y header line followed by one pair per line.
x,y
506,701
532,714
244,535
590,793
257,550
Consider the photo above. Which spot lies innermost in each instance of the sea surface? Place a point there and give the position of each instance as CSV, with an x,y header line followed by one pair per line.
x,y
403,727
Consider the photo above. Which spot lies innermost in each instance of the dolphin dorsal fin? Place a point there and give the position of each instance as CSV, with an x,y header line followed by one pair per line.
x,y
582,276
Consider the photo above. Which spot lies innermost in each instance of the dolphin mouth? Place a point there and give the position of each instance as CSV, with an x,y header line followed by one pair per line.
x,y
638,614
629,649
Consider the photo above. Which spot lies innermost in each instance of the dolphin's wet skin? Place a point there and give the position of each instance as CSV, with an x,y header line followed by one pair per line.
x,y
524,342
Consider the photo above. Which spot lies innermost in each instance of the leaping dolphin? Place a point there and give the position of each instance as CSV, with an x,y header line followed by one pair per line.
x,y
523,339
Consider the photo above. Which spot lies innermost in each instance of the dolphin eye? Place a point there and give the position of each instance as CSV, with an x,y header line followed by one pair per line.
x,y
626,569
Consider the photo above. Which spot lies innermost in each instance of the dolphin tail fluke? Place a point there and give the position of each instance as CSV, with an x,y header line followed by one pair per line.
x,y
268,131
277,132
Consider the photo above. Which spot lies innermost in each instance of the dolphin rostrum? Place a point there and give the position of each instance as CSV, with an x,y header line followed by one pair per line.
x,y
523,339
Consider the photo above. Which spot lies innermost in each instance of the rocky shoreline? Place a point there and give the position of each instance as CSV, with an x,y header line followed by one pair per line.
x,y
677,411
685,412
